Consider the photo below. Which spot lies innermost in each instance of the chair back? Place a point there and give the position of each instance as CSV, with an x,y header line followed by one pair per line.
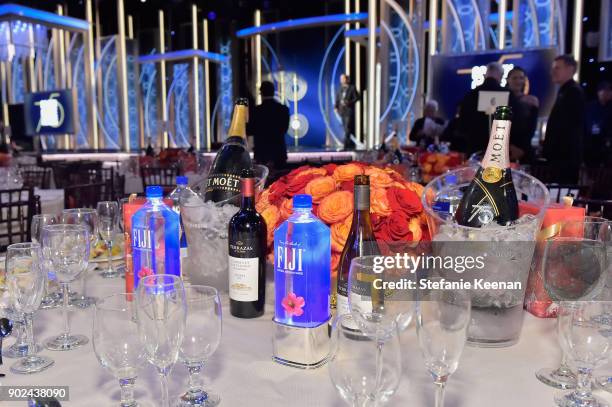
x,y
596,207
36,177
558,191
87,195
17,206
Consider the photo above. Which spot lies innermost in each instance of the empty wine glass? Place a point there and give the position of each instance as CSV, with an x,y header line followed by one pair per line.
x,y
201,339
26,283
586,340
161,312
67,247
354,364
108,215
116,342
89,218
442,320
51,297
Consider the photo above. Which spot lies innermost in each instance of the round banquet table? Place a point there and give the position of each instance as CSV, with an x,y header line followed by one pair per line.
x,y
242,368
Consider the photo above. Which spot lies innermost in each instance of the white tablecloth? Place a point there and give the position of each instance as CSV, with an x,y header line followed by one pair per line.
x,y
51,200
243,373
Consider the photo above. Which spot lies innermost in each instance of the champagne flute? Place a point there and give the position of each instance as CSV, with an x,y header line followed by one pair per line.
x,y
26,282
89,218
443,317
354,363
201,339
108,213
67,247
50,300
116,342
161,311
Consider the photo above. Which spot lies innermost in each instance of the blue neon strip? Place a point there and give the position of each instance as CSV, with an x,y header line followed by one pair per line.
x,y
358,33
183,54
16,12
302,23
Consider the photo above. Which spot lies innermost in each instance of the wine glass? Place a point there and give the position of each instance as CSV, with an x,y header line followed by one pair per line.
x,y
362,374
200,341
586,340
50,300
108,214
161,312
26,283
67,247
442,320
89,218
116,342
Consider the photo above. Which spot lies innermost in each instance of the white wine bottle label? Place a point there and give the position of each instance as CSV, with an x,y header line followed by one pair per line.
x,y
498,154
243,278
364,305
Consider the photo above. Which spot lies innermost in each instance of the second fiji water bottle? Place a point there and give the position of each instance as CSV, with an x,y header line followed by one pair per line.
x,y
181,185
155,238
302,257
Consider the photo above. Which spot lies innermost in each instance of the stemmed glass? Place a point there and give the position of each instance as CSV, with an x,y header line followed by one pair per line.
x,y
442,320
116,342
161,313
89,218
201,339
108,214
586,340
354,363
67,248
38,221
26,282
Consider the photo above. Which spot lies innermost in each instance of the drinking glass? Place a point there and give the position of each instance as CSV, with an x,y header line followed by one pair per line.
x,y
586,340
50,299
354,361
108,214
26,283
200,341
161,311
116,342
89,218
67,247
442,320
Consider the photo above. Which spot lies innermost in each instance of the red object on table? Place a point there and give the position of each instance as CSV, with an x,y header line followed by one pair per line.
x,y
537,301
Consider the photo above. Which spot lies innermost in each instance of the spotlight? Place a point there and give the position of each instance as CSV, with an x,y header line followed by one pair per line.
x,y
143,1
212,15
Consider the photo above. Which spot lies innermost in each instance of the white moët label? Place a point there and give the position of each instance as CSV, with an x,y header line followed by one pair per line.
x,y
243,279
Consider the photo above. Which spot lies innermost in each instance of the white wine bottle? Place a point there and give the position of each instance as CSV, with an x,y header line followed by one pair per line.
x,y
491,196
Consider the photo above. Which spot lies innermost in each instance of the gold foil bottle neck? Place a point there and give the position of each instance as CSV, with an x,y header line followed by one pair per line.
x,y
239,121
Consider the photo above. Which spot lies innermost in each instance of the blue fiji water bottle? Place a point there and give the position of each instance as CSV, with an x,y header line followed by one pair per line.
x,y
181,185
302,256
155,238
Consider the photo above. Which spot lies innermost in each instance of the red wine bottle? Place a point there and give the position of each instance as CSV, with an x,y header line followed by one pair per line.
x,y
247,255
491,196
223,181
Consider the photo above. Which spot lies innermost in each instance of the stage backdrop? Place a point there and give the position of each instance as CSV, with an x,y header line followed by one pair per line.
x,y
454,75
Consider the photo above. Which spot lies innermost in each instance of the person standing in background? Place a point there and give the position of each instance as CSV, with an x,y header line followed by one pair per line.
x,y
344,105
473,124
598,140
563,144
525,117
268,125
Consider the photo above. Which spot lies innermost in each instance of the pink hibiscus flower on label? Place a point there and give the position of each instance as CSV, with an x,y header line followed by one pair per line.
x,y
145,272
293,304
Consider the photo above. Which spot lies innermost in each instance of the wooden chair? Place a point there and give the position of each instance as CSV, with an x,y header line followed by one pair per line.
x,y
87,195
558,191
17,206
164,177
596,207
36,177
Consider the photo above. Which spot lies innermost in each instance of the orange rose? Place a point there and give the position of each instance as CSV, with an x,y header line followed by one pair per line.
x,y
263,201
286,208
311,171
320,187
339,234
271,216
335,207
379,178
379,203
415,187
415,227
347,172
335,262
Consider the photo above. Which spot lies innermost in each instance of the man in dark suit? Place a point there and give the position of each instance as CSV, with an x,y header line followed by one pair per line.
x,y
268,125
346,98
474,125
565,127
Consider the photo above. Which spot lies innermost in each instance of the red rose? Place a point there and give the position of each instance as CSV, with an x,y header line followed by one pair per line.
x,y
330,168
404,200
298,184
398,226
277,192
347,186
295,172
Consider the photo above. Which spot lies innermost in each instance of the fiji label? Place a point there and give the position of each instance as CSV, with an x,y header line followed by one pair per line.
x,y
289,258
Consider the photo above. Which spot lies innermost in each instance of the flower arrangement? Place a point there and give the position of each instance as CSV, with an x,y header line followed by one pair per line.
x,y
395,204
435,163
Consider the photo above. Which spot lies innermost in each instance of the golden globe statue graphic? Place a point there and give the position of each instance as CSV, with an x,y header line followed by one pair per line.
x,y
51,112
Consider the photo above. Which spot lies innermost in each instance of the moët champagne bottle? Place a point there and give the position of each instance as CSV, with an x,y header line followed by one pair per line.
x,y
491,196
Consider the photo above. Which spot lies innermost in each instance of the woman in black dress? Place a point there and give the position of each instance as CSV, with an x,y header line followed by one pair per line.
x,y
525,117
